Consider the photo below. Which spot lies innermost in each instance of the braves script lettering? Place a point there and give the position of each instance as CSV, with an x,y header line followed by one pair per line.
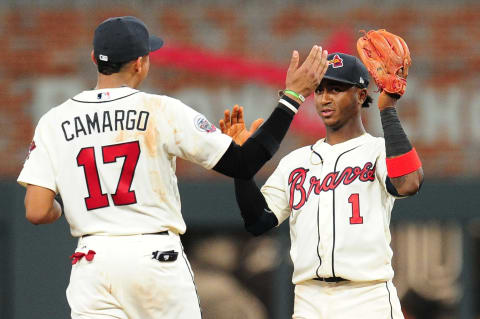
x,y
298,176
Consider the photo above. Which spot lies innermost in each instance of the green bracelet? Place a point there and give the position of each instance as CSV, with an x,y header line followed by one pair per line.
x,y
295,94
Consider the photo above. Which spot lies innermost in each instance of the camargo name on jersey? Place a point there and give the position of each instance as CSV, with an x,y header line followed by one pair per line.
x,y
100,122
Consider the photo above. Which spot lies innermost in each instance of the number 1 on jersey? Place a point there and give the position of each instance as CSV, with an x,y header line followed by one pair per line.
x,y
355,201
96,199
123,195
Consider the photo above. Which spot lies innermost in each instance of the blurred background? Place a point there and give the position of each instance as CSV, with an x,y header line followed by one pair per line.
x,y
219,53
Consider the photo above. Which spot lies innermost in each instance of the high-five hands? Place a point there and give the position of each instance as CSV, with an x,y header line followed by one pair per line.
x,y
305,79
302,80
234,125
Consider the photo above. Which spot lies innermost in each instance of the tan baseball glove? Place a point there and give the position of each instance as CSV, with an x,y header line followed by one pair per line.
x,y
387,59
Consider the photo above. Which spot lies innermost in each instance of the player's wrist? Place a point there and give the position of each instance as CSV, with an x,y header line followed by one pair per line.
x,y
289,103
386,100
298,97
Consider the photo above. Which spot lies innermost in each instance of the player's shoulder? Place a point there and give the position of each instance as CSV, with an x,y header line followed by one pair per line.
x,y
375,141
53,113
159,97
299,152
296,155
166,101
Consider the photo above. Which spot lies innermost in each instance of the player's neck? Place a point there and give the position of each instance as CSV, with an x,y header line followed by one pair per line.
x,y
344,133
116,80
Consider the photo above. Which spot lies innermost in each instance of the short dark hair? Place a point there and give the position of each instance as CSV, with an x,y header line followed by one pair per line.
x,y
367,101
109,68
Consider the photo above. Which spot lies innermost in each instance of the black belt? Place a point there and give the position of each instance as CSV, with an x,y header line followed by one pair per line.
x,y
165,232
330,279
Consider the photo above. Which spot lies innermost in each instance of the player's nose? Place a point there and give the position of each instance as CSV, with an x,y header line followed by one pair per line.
x,y
324,97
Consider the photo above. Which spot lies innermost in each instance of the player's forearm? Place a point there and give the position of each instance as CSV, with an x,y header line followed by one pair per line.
x,y
40,205
255,212
403,165
43,215
245,161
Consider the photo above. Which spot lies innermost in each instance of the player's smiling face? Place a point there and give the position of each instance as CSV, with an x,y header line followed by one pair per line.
x,y
336,103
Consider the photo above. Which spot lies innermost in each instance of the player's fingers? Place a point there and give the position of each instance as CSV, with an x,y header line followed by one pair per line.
x,y
324,64
317,60
223,128
234,116
240,118
293,62
322,60
311,57
255,125
227,119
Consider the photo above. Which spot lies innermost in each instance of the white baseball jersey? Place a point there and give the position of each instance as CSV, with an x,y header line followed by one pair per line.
x,y
339,209
111,155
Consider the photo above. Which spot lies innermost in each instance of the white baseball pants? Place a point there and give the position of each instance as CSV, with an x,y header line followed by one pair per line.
x,y
346,300
124,281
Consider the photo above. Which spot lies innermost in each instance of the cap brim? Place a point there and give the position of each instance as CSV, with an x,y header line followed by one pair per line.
x,y
155,43
337,79
341,80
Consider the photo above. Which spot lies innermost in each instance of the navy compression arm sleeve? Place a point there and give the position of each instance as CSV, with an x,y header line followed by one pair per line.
x,y
396,141
246,160
254,209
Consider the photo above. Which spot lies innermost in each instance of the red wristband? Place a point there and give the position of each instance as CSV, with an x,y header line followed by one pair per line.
x,y
403,164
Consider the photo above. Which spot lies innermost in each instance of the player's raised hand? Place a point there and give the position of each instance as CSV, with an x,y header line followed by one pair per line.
x,y
305,79
234,125
387,100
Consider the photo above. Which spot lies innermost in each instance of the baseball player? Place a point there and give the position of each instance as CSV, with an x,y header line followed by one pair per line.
x,y
338,196
110,153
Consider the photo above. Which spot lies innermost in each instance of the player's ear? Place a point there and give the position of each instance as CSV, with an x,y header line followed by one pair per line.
x,y
361,95
92,56
138,64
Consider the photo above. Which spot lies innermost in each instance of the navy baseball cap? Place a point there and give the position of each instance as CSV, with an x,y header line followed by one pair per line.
x,y
347,69
123,39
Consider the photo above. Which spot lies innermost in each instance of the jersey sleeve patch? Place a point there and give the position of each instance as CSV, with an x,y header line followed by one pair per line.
x,y
203,125
30,149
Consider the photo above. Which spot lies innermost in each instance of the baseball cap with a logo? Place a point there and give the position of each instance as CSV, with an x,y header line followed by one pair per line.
x,y
347,69
123,39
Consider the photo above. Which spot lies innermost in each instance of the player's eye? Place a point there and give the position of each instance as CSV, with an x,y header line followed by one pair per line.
x,y
336,89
